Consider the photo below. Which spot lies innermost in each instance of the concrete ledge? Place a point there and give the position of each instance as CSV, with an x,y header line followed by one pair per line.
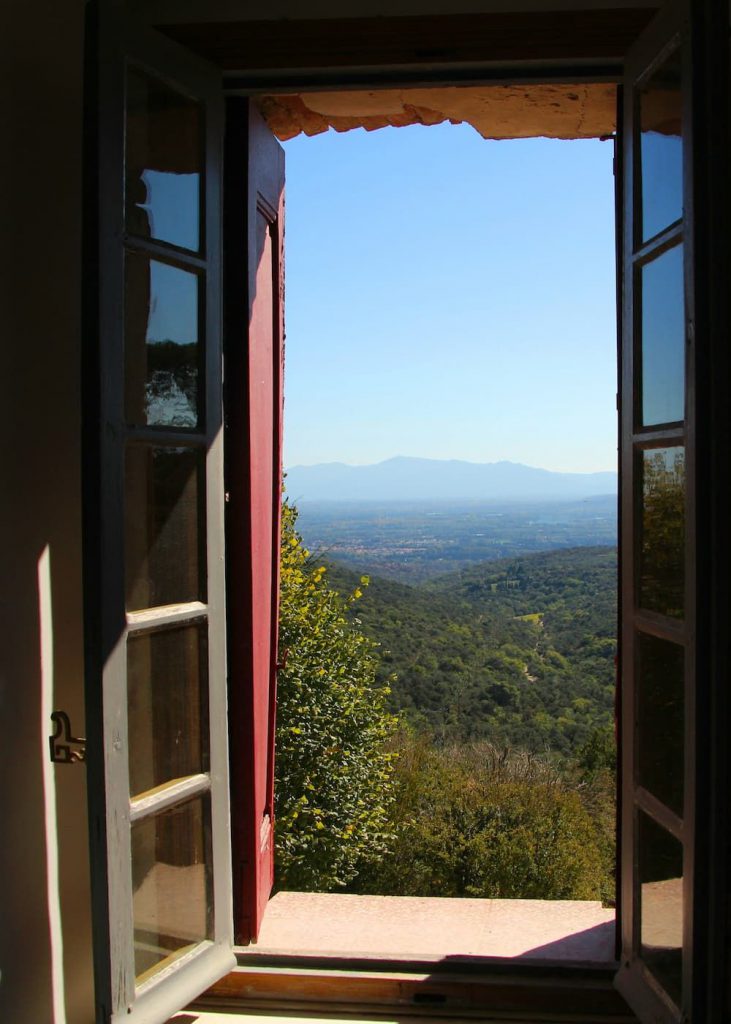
x,y
421,928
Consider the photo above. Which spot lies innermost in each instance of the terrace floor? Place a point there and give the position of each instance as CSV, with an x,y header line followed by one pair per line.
x,y
431,928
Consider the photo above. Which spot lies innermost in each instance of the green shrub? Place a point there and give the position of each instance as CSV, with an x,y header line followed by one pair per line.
x,y
476,821
334,776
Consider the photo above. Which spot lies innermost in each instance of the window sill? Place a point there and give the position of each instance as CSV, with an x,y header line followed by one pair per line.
x,y
337,956
426,929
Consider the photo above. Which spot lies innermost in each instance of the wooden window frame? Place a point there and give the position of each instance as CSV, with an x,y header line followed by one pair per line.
x,y
357,984
309,981
291,983
634,978
113,809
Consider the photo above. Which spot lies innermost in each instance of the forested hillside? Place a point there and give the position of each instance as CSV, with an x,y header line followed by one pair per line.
x,y
518,651
497,777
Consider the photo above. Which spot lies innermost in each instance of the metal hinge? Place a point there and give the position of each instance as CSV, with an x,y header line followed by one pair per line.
x,y
64,746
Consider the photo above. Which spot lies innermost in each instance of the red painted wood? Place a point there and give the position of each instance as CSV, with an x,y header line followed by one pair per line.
x,y
254,367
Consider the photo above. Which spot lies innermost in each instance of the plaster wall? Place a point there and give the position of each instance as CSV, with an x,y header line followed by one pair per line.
x,y
45,944
496,112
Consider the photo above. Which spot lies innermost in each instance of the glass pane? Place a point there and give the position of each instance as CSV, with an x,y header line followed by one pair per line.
x,y
661,904
661,148
167,698
164,162
171,884
660,719
163,526
662,547
161,344
663,339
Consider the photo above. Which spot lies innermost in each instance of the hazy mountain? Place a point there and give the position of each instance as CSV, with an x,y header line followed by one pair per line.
x,y
409,479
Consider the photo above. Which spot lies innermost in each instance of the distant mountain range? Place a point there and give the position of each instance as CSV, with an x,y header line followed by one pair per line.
x,y
409,479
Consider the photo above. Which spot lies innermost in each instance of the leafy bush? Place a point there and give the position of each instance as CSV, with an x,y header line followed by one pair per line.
x,y
334,776
476,821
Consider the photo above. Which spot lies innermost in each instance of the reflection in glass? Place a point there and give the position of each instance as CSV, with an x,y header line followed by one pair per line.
x,y
163,162
661,148
662,544
166,706
661,904
163,526
161,344
663,339
171,884
660,719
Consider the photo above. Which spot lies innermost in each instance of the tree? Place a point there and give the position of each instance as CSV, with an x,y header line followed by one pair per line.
x,y
334,776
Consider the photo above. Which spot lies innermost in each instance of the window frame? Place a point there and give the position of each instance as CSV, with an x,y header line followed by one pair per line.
x,y
715,500
285,81
667,35
247,958
113,809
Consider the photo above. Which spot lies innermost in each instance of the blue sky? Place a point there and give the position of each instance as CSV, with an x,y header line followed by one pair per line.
x,y
448,297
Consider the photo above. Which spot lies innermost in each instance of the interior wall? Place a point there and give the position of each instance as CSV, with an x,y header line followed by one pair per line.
x,y
45,948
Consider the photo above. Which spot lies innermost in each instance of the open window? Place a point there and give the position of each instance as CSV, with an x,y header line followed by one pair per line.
x,y
171,814
657,543
159,785
164,834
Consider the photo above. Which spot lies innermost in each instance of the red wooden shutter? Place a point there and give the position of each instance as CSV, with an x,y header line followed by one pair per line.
x,y
254,207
